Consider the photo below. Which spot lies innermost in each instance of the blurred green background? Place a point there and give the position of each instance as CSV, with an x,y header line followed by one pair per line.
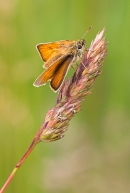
x,y
94,155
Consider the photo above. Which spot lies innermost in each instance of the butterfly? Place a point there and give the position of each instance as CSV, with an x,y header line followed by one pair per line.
x,y
58,57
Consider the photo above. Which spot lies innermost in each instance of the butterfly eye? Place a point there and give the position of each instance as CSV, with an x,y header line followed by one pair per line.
x,y
79,46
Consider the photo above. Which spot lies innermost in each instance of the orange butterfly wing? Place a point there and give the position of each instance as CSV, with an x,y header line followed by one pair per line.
x,y
61,72
49,50
56,72
48,73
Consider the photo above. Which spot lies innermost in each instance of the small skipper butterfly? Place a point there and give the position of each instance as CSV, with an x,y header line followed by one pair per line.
x,y
58,57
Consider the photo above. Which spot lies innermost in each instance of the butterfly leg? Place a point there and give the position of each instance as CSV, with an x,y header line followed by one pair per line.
x,y
73,67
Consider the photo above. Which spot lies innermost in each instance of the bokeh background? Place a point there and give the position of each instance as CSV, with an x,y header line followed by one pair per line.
x,y
94,155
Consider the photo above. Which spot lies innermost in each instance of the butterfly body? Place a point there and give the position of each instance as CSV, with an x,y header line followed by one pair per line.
x,y
58,57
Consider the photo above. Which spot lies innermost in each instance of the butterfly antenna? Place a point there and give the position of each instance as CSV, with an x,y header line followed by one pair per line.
x,y
87,31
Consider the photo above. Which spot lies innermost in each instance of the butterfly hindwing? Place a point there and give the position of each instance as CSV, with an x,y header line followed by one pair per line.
x,y
51,49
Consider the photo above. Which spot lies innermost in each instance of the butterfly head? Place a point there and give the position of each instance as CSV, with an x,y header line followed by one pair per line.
x,y
81,47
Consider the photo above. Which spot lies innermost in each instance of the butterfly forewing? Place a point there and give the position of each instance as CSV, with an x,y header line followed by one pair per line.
x,y
48,73
60,74
52,60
